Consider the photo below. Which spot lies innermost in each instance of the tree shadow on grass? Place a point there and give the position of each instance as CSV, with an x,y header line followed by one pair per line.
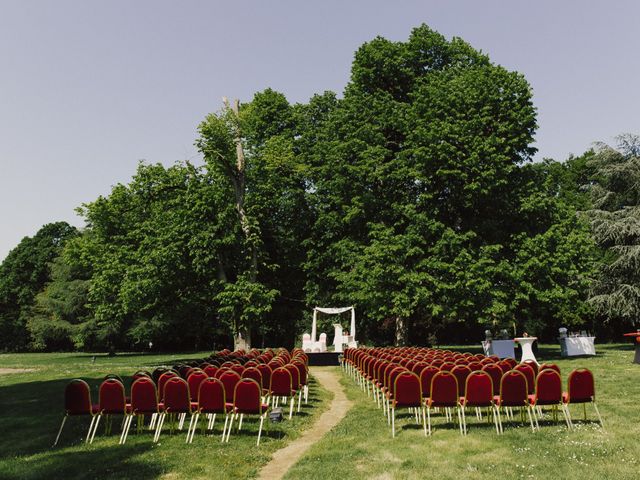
x,y
92,462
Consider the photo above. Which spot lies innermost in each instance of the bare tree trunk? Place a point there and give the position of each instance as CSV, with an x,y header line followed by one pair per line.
x,y
401,332
242,337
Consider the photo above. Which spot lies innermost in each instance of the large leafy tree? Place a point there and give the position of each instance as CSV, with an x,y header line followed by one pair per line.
x,y
155,249
416,168
615,222
23,274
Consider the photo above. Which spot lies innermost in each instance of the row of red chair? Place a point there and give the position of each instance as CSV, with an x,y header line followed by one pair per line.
x,y
203,392
496,384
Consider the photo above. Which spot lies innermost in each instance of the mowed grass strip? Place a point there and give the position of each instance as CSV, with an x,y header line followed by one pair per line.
x,y
361,447
31,409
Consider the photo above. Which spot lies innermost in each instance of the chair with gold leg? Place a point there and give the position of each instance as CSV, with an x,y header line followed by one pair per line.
x,y
77,402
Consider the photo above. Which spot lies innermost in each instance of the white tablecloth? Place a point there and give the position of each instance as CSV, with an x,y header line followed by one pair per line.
x,y
576,346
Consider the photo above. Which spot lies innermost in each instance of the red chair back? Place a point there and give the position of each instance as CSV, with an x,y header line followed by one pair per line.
x,y
461,372
281,383
505,366
302,371
548,387
511,361
164,378
444,390
447,366
581,386
479,390
194,381
229,379
393,374
265,372
247,397
237,368
418,367
211,371
77,398
475,366
176,396
533,365
211,396
254,373
295,376
529,374
144,397
407,390
549,366
426,376
513,389
112,398
495,372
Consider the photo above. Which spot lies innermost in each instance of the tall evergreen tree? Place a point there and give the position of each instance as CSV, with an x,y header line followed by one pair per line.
x,y
615,222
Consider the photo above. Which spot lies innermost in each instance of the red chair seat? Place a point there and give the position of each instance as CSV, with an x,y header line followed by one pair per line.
x,y
565,399
464,403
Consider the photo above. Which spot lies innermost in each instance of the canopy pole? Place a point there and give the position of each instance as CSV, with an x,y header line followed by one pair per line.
x,y
352,332
313,326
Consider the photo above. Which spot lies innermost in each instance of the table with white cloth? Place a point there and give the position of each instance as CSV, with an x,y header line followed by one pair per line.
x,y
577,346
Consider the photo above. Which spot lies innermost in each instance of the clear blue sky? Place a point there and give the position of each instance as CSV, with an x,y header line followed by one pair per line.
x,y
88,88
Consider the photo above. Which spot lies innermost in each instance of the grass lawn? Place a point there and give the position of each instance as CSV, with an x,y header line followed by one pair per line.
x,y
31,408
361,445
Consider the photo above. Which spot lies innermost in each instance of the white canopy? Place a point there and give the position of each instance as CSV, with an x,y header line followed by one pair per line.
x,y
333,311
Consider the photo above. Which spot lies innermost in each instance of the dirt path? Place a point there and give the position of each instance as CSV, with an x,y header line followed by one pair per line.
x,y
286,457
6,371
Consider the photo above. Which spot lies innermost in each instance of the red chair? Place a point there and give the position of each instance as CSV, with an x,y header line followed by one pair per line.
x,y
211,371
478,394
407,393
418,367
461,372
164,378
447,366
295,381
533,365
77,402
144,401
194,380
495,372
254,373
530,374
551,366
505,366
513,394
247,400
444,394
229,379
475,366
548,393
426,376
581,389
389,386
177,401
511,361
282,387
265,371
237,368
112,401
304,380
211,401
438,362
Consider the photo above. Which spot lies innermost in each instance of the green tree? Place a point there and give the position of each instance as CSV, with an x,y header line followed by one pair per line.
x,y
24,273
413,180
154,248
60,311
615,223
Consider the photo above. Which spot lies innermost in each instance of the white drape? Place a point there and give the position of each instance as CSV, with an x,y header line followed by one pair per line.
x,y
333,311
